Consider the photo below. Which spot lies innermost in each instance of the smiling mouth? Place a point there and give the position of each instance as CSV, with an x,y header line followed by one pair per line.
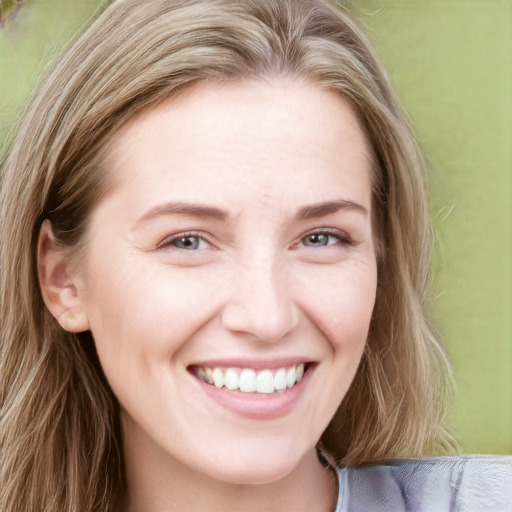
x,y
248,380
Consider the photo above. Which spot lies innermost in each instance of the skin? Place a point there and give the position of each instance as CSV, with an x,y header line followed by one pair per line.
x,y
263,278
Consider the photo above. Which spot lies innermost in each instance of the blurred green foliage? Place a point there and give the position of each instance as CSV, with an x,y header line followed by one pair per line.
x,y
451,63
8,10
28,42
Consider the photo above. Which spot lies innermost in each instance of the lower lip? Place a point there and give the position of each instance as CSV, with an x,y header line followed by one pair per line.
x,y
257,406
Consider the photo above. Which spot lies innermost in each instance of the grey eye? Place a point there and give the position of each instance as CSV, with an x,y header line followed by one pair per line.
x,y
189,243
317,240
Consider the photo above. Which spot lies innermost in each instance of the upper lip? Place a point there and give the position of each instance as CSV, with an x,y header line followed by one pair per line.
x,y
257,364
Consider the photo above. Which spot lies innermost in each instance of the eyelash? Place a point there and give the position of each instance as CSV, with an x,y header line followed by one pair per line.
x,y
342,238
171,240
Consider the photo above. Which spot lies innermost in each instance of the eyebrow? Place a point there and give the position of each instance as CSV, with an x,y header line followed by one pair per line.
x,y
189,209
328,207
206,211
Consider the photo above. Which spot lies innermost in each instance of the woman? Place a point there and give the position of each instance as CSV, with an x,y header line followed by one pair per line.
x,y
214,255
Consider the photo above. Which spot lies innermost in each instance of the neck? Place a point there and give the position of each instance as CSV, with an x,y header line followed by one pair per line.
x,y
173,487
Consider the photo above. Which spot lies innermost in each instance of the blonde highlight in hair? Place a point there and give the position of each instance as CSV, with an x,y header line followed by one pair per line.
x,y
60,441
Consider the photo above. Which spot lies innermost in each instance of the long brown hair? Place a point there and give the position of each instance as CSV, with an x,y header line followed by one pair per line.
x,y
59,430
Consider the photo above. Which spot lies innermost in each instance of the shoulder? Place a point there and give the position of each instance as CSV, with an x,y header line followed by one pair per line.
x,y
431,484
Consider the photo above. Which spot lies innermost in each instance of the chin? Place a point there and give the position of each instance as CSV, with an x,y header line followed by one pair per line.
x,y
256,475
267,467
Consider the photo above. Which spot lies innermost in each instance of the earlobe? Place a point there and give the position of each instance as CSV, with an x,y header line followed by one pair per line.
x,y
74,322
59,282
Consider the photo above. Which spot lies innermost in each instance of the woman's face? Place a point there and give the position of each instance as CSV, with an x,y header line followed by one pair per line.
x,y
235,250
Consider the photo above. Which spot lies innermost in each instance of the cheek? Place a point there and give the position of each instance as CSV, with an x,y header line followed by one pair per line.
x,y
342,307
136,313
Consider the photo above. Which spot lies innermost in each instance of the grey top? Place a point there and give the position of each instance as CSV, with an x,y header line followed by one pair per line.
x,y
472,483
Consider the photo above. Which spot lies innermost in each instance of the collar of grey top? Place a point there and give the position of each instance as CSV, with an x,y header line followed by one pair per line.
x,y
429,484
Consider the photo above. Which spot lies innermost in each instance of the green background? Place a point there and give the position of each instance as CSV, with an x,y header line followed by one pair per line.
x,y
451,63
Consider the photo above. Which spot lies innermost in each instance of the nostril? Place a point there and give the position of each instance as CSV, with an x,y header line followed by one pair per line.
x,y
265,327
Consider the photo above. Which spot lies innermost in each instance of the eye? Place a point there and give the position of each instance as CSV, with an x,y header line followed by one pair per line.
x,y
325,238
184,241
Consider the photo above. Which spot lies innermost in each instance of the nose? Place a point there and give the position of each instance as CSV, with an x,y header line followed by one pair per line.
x,y
260,301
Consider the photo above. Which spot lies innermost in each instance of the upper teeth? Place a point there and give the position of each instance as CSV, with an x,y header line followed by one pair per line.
x,y
248,380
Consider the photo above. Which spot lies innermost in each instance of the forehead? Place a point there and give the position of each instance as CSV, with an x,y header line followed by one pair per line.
x,y
278,133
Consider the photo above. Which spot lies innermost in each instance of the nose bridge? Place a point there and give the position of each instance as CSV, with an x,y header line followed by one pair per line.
x,y
261,301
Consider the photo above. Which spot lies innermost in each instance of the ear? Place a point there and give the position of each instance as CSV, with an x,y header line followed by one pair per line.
x,y
59,282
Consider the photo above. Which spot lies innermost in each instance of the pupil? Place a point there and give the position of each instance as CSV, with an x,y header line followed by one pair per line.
x,y
318,239
188,242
